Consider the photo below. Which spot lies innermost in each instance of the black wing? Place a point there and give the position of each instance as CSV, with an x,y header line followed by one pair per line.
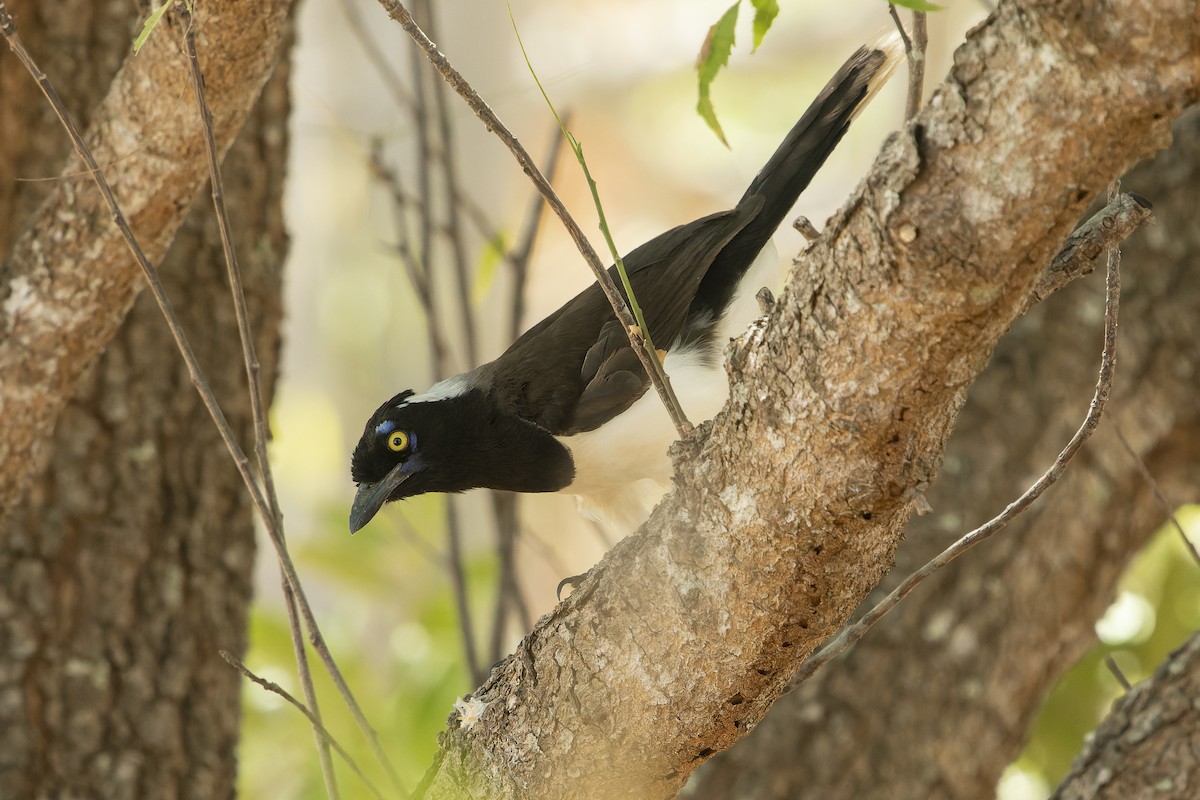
x,y
575,370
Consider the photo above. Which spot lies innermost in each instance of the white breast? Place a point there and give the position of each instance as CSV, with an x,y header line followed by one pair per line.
x,y
622,469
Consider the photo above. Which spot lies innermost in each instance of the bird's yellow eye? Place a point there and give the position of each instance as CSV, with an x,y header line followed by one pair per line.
x,y
397,441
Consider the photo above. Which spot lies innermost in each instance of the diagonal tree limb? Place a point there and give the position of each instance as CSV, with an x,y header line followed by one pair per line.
x,y
1148,743
789,506
962,664
851,634
68,280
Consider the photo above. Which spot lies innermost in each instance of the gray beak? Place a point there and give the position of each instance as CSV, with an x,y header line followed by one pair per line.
x,y
370,497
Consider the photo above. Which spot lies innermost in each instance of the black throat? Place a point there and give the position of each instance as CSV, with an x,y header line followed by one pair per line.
x,y
518,456
468,442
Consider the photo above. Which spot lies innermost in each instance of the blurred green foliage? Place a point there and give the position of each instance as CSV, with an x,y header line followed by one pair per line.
x,y
387,612
1157,608
411,672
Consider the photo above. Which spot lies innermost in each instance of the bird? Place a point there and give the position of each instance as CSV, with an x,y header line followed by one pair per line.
x,y
566,408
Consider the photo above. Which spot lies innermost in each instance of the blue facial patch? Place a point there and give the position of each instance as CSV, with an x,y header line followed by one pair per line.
x,y
385,427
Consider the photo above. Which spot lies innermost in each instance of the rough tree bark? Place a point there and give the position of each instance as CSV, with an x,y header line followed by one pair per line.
x,y
68,279
948,668
789,506
1147,747
127,564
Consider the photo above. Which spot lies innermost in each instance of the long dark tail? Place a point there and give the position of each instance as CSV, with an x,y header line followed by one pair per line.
x,y
797,159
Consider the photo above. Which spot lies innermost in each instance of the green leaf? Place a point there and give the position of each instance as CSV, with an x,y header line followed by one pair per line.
x,y
151,23
765,12
917,5
714,55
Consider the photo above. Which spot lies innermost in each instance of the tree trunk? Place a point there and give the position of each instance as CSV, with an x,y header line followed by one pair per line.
x,y
127,564
961,666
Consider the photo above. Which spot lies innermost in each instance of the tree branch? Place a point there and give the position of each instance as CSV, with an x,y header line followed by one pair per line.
x,y
962,664
69,279
1149,739
850,635
789,510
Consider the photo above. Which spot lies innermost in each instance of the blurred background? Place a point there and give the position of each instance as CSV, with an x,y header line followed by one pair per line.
x,y
369,206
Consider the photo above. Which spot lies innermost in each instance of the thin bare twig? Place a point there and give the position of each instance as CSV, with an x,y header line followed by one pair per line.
x,y
419,268
196,375
320,729
458,580
915,49
1106,228
439,353
1115,669
432,155
250,359
1161,498
418,275
452,223
545,551
504,510
509,594
916,65
397,11
803,226
850,634
415,540
390,77
520,255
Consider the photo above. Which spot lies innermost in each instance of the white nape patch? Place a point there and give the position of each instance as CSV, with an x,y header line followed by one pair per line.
x,y
621,468
442,390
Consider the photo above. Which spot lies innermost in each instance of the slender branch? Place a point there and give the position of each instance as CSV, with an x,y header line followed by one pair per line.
x,y
916,62
1115,669
313,718
390,77
430,156
397,11
250,359
418,269
427,550
1159,497
915,48
520,255
504,510
439,353
547,552
850,634
1107,228
196,375
419,110
506,505
458,580
452,223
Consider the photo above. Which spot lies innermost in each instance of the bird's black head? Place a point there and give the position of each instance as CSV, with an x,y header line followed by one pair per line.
x,y
450,442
